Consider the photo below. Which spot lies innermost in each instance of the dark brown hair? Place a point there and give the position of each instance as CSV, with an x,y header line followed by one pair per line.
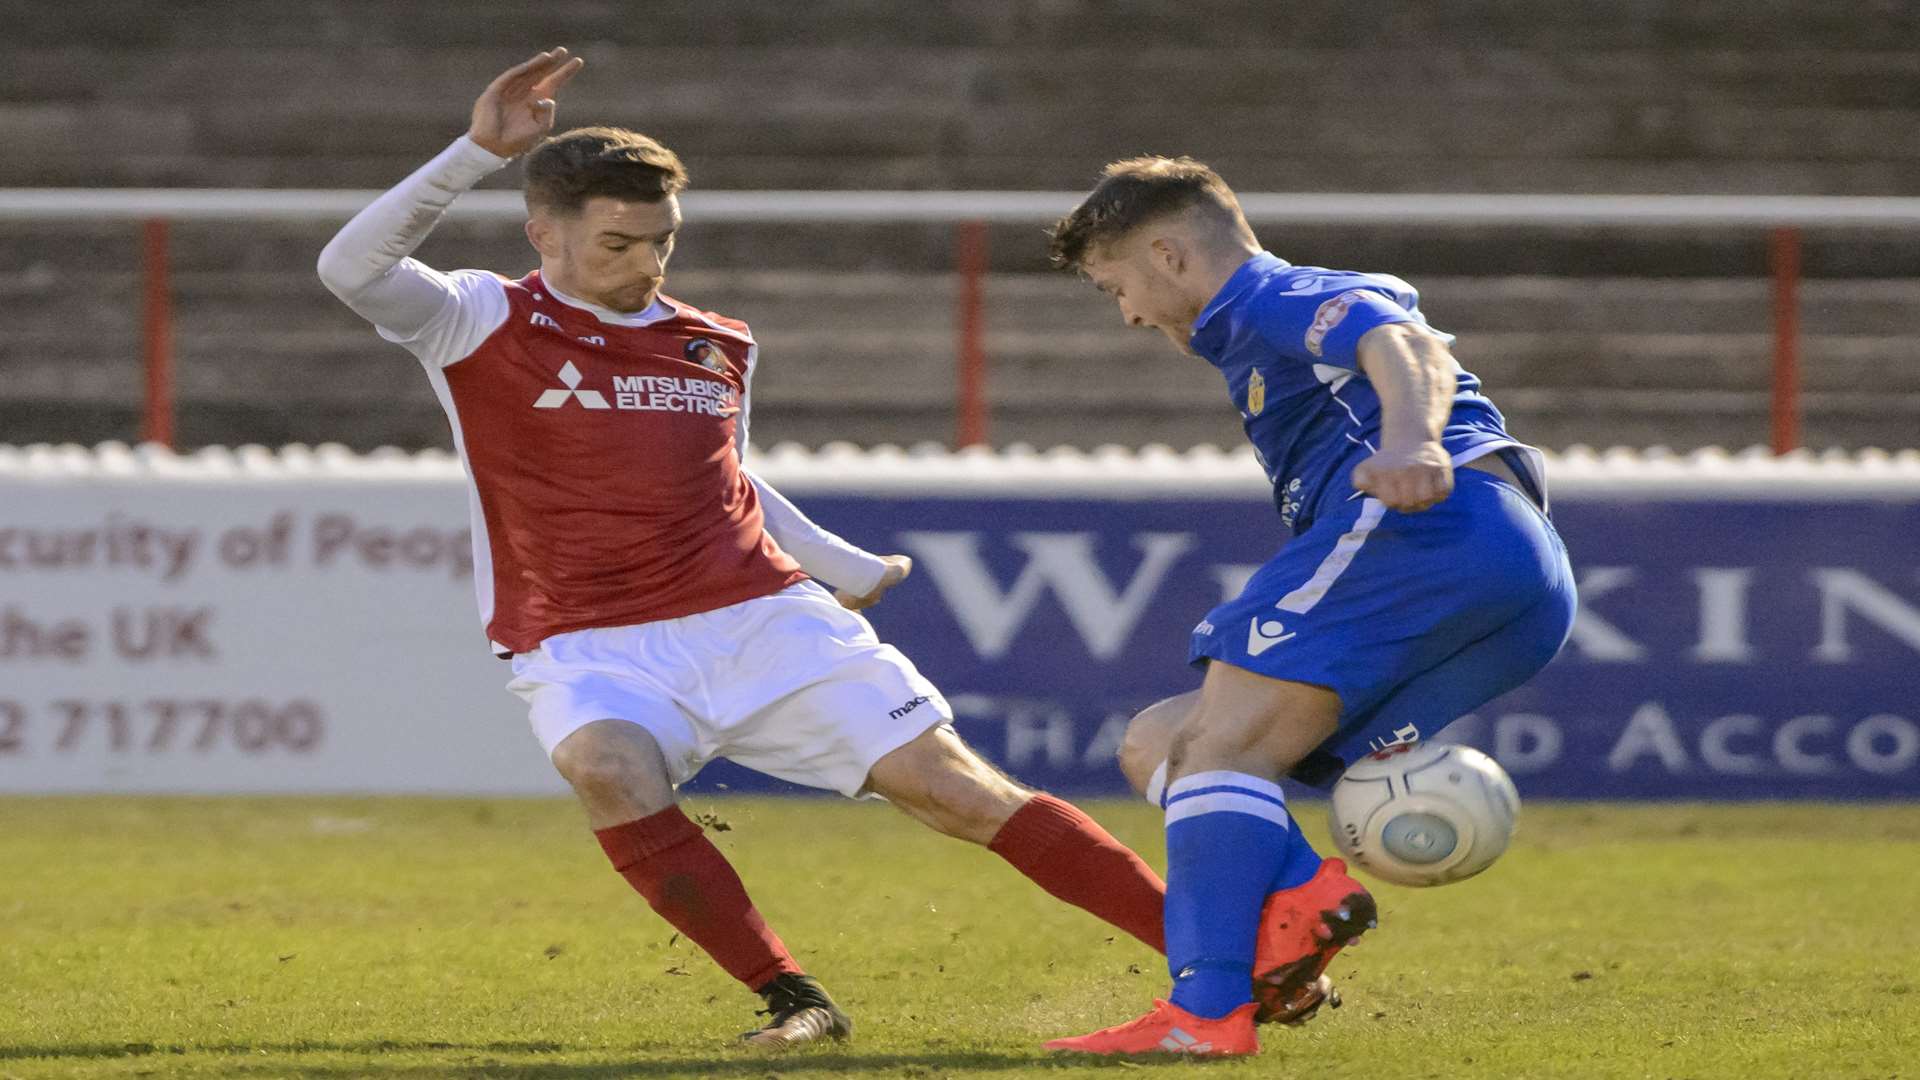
x,y
569,168
1133,192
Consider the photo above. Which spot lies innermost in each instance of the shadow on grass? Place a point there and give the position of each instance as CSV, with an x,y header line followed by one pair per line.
x,y
368,1046
734,1063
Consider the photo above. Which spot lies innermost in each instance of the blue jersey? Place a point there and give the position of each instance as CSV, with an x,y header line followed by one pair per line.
x,y
1284,336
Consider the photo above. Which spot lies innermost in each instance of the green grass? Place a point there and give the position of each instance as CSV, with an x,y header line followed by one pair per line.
x,y
387,938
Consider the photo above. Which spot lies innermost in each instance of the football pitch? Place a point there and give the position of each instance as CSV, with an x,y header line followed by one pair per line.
x,y
482,938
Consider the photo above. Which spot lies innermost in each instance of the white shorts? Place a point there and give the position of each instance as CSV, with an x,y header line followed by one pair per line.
x,y
792,685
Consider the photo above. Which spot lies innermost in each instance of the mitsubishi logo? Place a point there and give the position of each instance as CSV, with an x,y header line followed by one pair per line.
x,y
553,399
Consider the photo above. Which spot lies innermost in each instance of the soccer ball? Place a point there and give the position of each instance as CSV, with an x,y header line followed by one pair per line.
x,y
1424,813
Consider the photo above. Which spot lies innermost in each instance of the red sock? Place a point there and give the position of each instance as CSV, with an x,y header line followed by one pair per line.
x,y
1066,853
668,860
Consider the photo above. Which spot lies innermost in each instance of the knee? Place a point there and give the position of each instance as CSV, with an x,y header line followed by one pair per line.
x,y
1138,762
1242,744
599,762
953,791
1149,739
971,801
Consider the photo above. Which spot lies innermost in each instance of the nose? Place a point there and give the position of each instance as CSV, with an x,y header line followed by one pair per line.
x,y
1129,316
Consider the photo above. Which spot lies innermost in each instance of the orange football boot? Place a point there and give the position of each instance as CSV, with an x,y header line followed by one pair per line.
x,y
1300,931
1170,1029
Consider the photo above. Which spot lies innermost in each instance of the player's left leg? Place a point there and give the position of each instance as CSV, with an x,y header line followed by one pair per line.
x,y
1230,843
1294,947
823,702
939,781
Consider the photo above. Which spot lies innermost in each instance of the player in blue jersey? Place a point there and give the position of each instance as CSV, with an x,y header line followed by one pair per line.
x,y
1422,580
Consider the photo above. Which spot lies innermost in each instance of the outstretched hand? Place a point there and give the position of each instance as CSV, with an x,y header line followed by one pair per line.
x,y
898,567
516,110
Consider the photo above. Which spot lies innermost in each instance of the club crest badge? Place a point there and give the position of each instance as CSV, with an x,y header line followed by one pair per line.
x,y
1256,393
706,354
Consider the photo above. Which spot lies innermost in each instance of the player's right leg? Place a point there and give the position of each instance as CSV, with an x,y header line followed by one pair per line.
x,y
1148,741
624,773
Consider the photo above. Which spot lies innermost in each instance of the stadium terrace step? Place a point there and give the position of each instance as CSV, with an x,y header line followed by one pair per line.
x,y
1569,24
1588,335
1584,96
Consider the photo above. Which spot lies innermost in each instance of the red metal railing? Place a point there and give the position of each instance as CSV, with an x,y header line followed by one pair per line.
x,y
971,350
972,412
1783,258
1783,216
156,417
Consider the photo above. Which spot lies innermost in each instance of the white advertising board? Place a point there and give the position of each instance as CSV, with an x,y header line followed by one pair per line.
x,y
303,621
161,635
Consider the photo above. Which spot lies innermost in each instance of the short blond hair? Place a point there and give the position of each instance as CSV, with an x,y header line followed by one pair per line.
x,y
1133,192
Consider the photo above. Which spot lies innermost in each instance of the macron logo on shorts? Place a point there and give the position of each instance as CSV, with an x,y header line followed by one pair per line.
x,y
570,375
1264,634
908,707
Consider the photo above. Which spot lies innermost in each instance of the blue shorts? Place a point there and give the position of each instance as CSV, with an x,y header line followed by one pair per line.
x,y
1413,619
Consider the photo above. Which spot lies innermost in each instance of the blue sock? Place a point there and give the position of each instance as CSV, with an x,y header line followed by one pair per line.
x,y
1301,864
1229,839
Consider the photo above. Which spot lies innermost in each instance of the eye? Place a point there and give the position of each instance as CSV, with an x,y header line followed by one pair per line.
x,y
616,247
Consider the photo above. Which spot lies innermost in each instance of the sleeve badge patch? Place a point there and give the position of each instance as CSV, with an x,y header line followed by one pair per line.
x,y
1329,316
706,354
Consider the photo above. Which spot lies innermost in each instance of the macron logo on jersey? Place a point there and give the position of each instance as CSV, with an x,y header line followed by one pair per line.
x,y
570,375
1264,634
542,319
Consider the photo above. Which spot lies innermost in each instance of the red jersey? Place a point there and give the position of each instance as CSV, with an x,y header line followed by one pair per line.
x,y
605,468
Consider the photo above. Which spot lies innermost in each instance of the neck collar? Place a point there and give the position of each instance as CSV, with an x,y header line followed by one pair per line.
x,y
661,308
1242,280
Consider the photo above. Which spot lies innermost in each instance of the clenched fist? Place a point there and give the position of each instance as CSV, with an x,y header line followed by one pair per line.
x,y
1408,479
898,567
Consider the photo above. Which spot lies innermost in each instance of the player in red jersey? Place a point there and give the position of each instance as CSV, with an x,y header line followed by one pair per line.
x,y
656,600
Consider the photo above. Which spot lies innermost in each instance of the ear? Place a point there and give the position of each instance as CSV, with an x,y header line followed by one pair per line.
x,y
1169,254
543,234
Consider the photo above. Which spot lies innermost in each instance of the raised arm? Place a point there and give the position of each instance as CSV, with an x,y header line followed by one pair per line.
x,y
367,265
1416,377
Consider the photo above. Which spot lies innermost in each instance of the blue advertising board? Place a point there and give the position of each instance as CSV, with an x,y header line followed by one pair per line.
x,y
1726,649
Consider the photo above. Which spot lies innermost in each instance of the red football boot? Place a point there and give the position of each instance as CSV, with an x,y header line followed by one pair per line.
x,y
1170,1029
1300,931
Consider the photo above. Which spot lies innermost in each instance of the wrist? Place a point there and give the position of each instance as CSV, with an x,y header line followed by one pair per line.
x,y
499,153
1408,442
871,572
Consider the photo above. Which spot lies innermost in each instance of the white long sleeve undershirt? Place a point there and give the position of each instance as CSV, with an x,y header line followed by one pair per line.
x,y
442,318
